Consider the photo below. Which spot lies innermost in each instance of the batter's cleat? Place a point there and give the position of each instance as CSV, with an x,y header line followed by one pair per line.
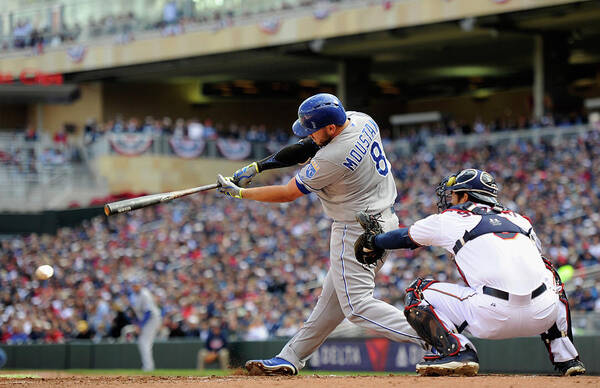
x,y
275,366
464,363
572,367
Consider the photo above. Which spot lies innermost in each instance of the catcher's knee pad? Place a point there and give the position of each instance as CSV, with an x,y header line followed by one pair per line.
x,y
429,327
552,333
424,320
414,292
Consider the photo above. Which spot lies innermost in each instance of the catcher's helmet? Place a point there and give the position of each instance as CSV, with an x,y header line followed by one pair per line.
x,y
317,112
480,185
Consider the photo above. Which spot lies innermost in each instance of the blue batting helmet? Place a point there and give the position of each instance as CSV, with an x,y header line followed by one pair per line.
x,y
317,112
480,185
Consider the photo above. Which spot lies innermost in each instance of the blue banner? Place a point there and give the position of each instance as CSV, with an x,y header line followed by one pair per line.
x,y
375,354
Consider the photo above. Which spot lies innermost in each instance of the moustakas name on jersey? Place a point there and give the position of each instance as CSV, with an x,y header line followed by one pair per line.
x,y
350,181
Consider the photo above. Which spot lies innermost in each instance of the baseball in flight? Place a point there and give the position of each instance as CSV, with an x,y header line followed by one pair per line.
x,y
44,272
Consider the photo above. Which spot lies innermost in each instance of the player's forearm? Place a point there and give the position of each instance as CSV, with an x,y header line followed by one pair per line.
x,y
396,239
289,155
278,193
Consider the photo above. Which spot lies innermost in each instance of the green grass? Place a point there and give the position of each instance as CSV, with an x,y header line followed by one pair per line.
x,y
19,376
184,372
157,372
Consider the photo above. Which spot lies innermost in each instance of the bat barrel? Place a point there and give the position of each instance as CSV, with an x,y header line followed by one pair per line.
x,y
132,204
149,200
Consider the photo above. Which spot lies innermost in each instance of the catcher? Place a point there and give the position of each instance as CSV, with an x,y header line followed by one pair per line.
x,y
511,290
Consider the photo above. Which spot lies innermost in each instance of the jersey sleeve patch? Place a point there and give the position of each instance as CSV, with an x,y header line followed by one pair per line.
x,y
319,173
312,169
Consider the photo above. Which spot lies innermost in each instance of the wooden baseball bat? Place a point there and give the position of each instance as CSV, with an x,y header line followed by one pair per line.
x,y
153,199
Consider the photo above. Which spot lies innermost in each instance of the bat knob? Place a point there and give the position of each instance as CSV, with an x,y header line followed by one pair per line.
x,y
106,210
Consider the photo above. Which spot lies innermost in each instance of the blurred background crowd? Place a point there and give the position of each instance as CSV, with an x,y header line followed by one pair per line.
x,y
56,25
39,149
256,269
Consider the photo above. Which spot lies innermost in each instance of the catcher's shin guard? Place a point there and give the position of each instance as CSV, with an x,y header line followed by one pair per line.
x,y
555,332
425,321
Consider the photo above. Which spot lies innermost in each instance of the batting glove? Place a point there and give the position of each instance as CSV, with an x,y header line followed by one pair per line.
x,y
244,175
228,187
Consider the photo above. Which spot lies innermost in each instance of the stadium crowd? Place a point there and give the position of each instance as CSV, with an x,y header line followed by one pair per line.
x,y
63,147
175,18
257,268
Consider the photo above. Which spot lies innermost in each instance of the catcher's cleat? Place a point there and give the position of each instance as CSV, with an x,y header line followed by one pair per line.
x,y
572,367
465,363
275,366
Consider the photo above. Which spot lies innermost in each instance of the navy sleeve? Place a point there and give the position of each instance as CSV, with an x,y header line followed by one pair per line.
x,y
290,155
396,239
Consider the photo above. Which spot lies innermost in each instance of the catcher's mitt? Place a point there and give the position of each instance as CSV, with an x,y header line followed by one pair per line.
x,y
364,248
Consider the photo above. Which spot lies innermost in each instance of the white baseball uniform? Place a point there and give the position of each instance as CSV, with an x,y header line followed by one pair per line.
x,y
509,262
350,174
149,315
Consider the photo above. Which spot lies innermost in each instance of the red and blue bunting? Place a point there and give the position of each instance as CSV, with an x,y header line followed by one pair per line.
x,y
130,144
234,149
187,148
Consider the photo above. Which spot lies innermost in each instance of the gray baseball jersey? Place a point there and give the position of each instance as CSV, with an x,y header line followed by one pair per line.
x,y
351,173
145,302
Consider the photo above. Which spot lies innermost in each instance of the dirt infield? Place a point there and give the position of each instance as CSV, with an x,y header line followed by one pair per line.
x,y
63,380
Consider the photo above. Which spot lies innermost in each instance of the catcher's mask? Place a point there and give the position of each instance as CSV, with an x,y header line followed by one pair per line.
x,y
480,185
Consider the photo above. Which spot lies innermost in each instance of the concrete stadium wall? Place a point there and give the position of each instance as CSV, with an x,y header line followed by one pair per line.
x,y
157,174
53,116
520,355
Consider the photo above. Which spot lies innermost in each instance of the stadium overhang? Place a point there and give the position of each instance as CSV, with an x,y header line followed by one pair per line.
x,y
448,58
25,94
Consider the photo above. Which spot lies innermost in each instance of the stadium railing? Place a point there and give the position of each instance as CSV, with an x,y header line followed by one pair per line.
x,y
32,172
41,174
29,178
436,143
403,146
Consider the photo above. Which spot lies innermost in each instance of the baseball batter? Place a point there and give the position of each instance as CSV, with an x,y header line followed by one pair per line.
x,y
349,172
511,290
148,319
